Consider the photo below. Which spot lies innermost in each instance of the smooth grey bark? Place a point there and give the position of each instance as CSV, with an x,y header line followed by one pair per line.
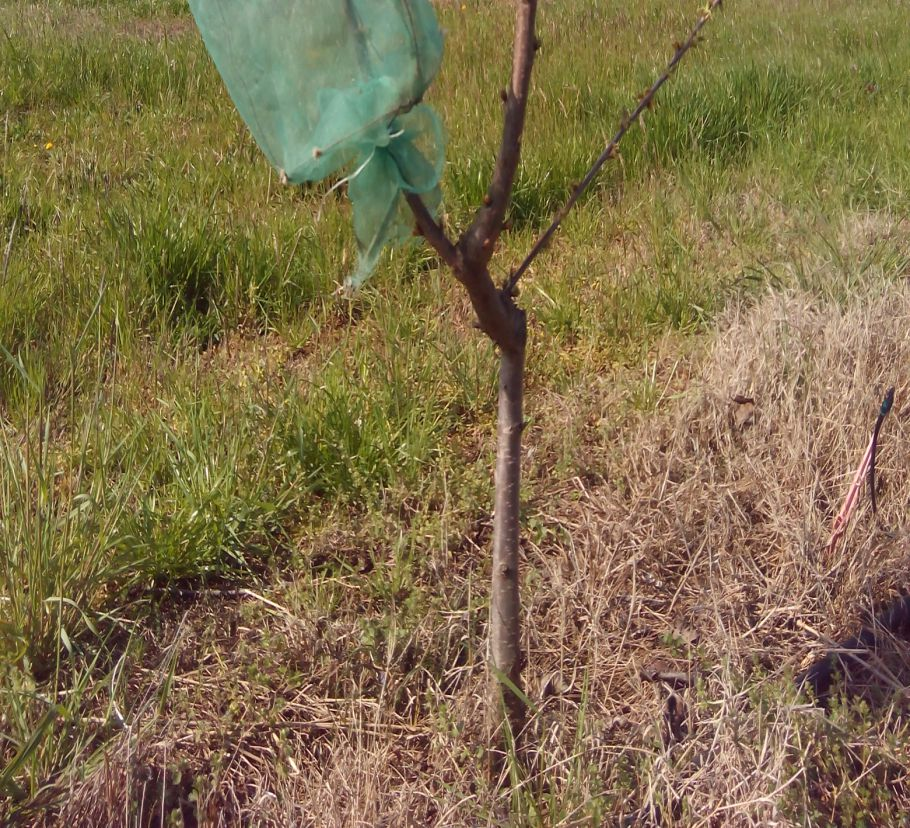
x,y
505,602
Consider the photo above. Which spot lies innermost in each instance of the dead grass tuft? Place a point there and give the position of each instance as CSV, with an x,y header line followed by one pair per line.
x,y
706,563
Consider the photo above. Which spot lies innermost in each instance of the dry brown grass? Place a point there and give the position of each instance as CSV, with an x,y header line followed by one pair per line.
x,y
702,556
707,557
79,22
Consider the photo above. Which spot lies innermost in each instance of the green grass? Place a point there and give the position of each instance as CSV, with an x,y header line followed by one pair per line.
x,y
183,400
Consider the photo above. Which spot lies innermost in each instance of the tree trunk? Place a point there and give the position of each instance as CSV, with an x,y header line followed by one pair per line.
x,y
506,706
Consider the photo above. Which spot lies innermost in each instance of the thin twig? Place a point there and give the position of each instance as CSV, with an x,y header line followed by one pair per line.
x,y
866,469
609,152
846,512
887,403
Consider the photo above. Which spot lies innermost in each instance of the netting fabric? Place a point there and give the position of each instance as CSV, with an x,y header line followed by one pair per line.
x,y
333,88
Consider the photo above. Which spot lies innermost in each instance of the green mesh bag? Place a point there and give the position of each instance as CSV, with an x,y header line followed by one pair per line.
x,y
333,87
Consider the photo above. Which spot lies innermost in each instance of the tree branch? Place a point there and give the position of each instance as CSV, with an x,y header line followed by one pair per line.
x,y
644,103
479,240
432,231
496,313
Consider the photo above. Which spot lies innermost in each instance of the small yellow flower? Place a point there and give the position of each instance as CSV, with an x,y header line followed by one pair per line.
x,y
464,7
49,145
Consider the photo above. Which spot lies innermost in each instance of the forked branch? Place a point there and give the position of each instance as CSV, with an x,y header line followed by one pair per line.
x,y
469,258
496,314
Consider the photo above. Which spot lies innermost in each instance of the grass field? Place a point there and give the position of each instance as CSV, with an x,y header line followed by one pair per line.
x,y
244,521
